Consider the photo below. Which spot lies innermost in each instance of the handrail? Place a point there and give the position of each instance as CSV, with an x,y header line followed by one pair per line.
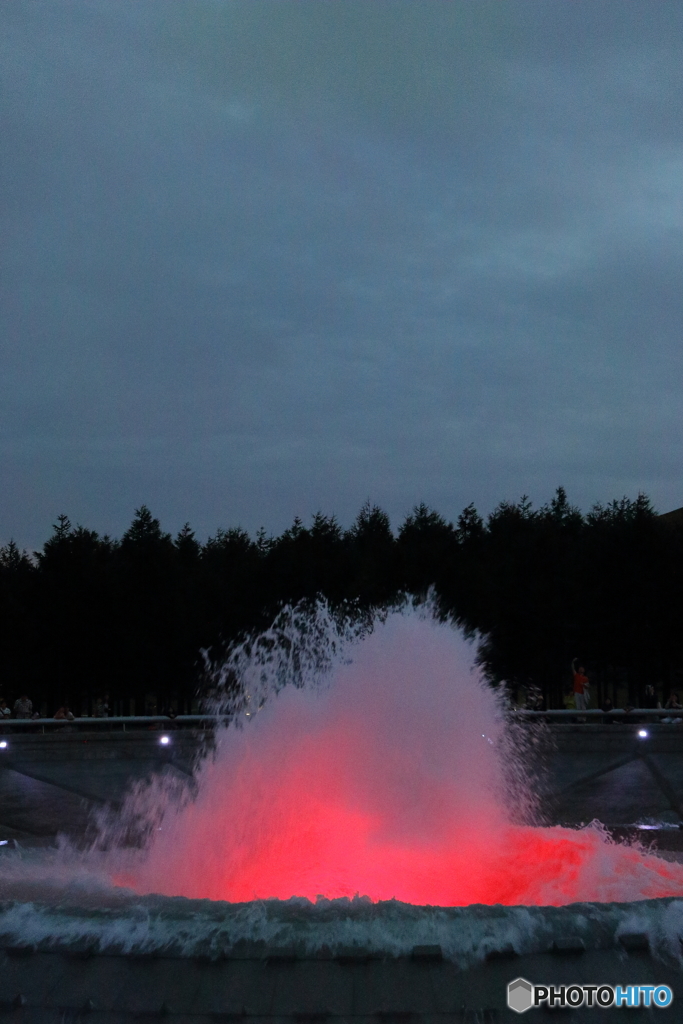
x,y
615,713
124,720
210,720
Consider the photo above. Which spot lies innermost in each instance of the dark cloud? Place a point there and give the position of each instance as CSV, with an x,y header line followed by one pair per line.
x,y
262,258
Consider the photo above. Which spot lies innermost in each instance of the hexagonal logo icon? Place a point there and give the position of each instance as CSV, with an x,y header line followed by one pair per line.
x,y
520,995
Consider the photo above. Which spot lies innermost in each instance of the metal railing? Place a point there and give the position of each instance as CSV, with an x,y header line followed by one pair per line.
x,y
591,714
209,721
132,721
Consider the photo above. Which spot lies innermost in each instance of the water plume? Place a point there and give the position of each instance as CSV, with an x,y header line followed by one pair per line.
x,y
373,762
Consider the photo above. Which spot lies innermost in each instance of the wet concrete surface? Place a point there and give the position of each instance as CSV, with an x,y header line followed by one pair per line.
x,y
610,774
53,783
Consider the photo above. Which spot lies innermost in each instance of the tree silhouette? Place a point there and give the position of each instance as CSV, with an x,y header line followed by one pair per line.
x,y
537,587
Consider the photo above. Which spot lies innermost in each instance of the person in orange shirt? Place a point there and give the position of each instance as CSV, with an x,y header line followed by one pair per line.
x,y
581,686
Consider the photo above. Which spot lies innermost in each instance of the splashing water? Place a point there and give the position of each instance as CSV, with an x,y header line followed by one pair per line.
x,y
394,777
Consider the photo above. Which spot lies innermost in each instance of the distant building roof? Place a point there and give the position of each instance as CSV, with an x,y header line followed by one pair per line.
x,y
674,517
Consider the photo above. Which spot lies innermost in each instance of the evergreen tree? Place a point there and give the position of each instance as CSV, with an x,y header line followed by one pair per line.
x,y
88,614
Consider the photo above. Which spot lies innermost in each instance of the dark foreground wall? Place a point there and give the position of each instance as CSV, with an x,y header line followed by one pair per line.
x,y
54,988
51,782
610,773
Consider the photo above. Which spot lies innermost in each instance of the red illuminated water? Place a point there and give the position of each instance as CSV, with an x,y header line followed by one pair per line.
x,y
394,780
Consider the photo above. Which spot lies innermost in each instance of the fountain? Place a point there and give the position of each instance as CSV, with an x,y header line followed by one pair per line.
x,y
370,793
394,776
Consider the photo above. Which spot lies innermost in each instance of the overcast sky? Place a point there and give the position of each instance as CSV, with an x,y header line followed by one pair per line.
x,y
265,257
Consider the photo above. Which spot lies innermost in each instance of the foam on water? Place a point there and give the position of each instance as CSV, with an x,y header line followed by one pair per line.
x,y
120,921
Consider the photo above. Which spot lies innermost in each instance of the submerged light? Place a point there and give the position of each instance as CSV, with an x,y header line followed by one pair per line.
x,y
643,733
164,740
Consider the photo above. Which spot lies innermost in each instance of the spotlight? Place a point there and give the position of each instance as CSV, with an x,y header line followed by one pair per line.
x,y
643,733
164,740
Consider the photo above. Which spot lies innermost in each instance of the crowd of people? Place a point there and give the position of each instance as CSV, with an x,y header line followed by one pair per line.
x,y
23,708
578,698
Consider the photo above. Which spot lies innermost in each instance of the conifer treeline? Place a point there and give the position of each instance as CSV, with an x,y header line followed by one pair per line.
x,y
89,614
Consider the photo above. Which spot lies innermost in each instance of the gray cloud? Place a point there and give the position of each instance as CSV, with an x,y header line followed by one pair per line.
x,y
261,258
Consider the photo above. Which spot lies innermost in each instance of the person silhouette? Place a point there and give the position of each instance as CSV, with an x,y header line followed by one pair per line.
x,y
581,686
